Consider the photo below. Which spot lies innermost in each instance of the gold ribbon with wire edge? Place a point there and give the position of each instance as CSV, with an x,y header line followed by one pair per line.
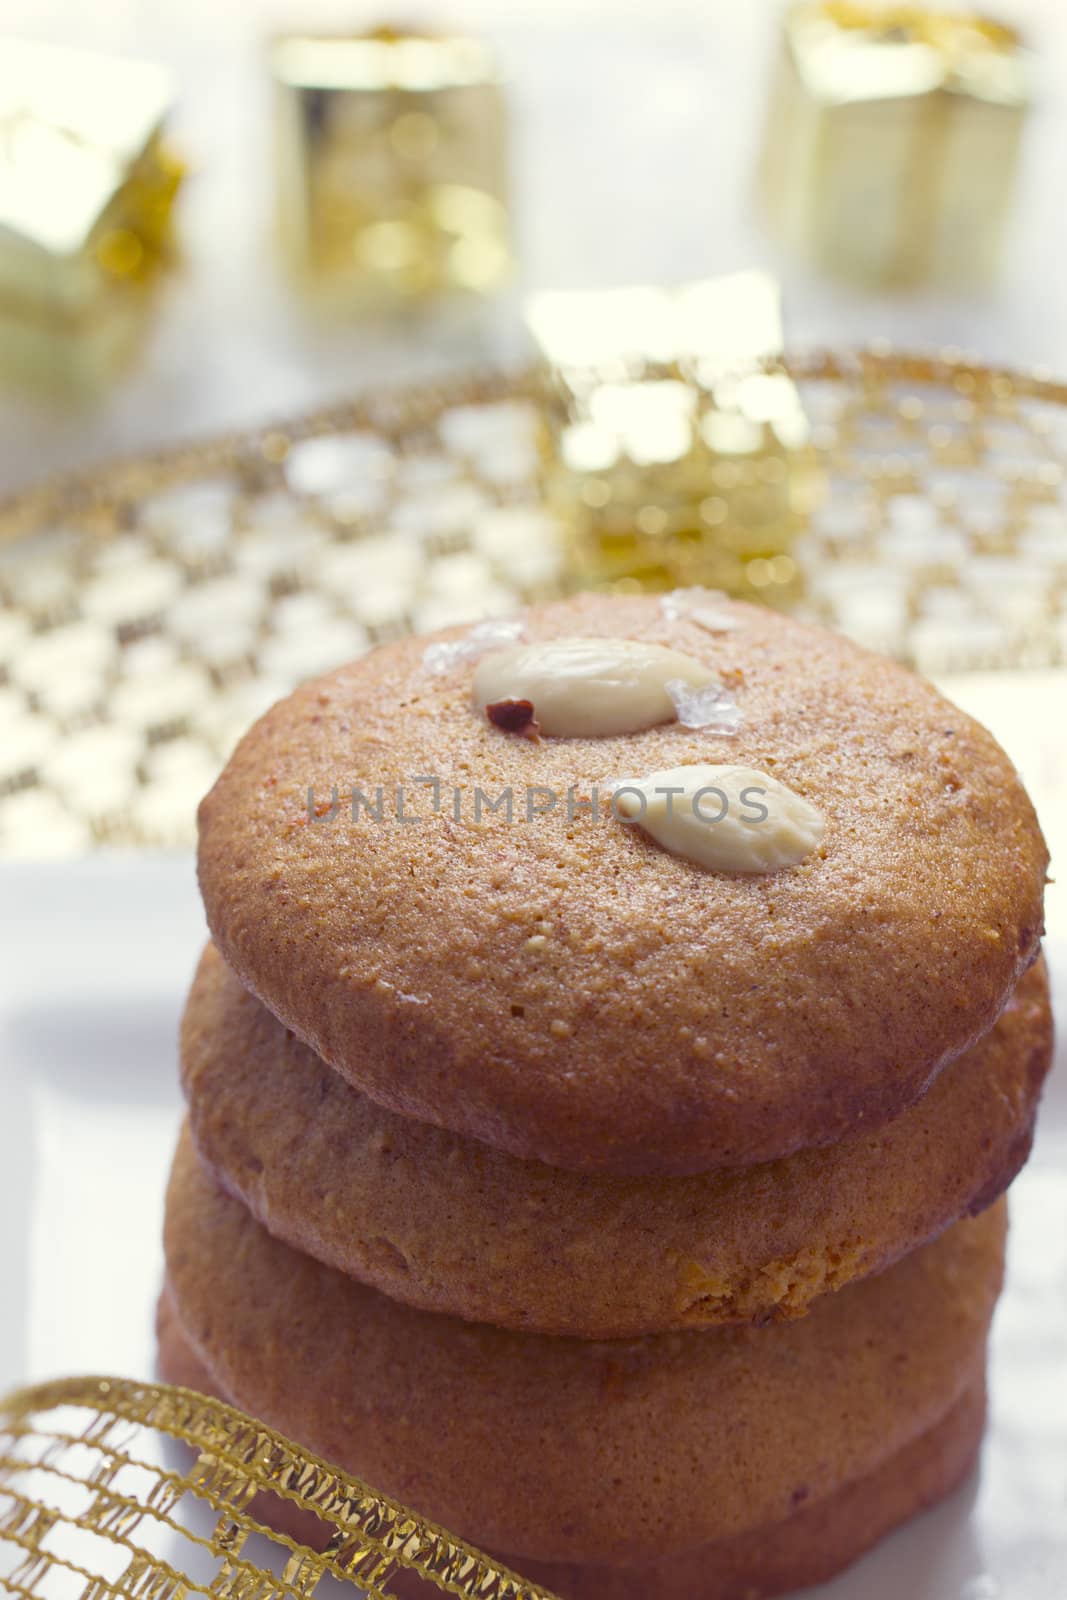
x,y
46,1457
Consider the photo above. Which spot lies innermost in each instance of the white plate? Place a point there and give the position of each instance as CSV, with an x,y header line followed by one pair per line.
x,y
96,957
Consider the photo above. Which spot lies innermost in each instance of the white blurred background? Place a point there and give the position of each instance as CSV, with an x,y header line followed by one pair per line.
x,y
635,131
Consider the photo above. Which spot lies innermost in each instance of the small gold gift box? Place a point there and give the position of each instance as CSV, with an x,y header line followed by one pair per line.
x,y
892,140
676,447
87,188
391,164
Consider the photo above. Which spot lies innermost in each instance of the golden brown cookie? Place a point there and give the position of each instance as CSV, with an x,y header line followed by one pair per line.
x,y
615,1452
566,989
448,1224
810,1545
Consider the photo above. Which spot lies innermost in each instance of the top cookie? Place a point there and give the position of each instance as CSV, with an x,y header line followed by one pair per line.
x,y
568,988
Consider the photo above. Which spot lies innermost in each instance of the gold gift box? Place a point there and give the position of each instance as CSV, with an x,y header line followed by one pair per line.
x,y
87,187
892,140
391,164
676,449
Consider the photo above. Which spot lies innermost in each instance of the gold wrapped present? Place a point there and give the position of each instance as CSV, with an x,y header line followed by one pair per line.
x,y
892,140
391,164
87,187
676,448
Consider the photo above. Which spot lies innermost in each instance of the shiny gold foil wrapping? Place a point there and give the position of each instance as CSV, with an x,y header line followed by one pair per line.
x,y
391,165
87,188
677,449
117,1490
892,140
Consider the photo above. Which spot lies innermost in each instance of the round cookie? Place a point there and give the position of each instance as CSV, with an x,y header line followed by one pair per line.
x,y
176,1361
448,1224
807,1547
565,989
614,1452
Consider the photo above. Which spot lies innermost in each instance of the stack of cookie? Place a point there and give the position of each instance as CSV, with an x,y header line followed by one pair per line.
x,y
619,1028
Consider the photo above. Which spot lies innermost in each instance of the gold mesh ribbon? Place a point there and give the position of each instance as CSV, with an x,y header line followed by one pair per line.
x,y
97,1502
150,610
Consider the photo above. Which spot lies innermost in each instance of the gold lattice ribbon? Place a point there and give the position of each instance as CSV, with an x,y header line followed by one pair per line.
x,y
91,1486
